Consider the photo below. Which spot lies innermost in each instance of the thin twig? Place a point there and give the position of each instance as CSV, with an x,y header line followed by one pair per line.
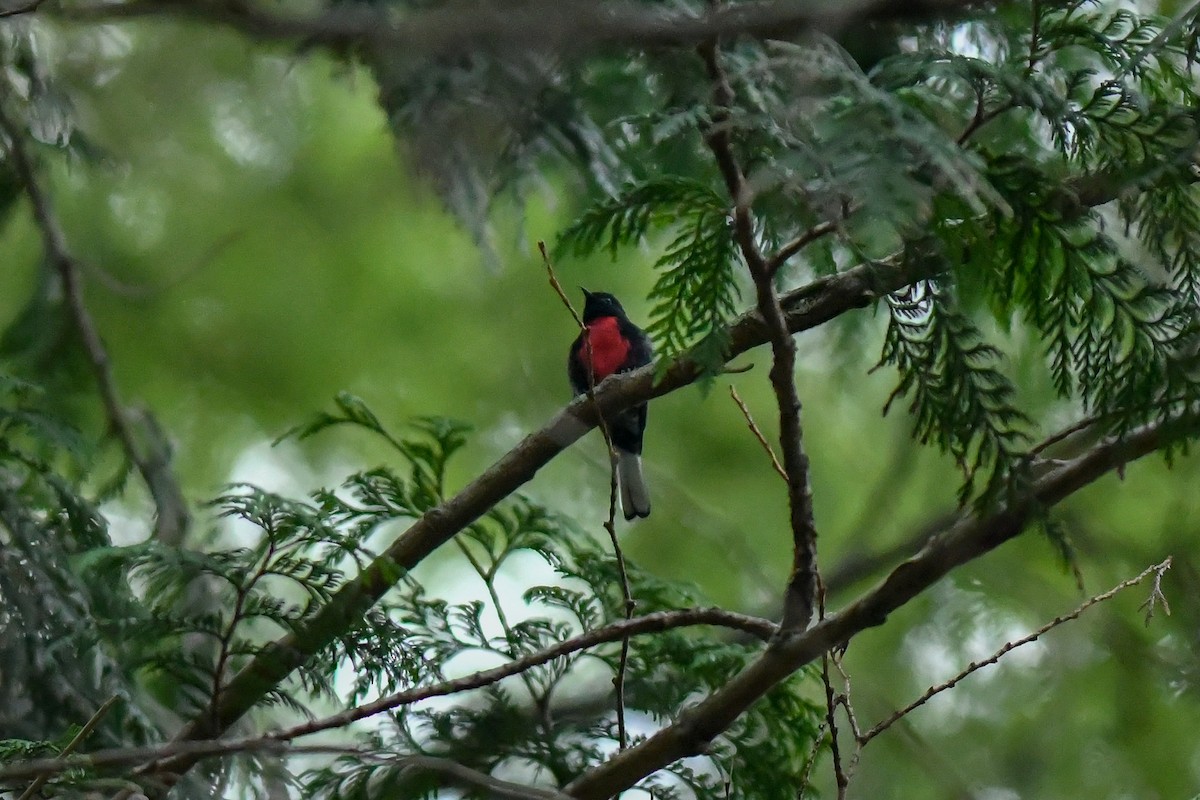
x,y
835,750
225,639
981,118
540,699
1157,570
758,434
781,256
453,771
806,307
969,538
623,629
801,590
72,745
806,776
1065,433
844,702
832,700
1087,422
610,524
173,516
1034,35
1170,29
1156,593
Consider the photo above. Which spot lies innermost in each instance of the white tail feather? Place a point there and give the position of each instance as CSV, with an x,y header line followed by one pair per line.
x,y
635,498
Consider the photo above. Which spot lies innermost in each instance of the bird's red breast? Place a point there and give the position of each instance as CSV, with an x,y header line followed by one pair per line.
x,y
609,347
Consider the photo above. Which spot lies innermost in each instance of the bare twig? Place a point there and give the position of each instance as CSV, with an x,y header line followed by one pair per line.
x,y
649,623
806,776
1156,593
1063,434
781,256
1082,425
71,747
172,512
610,524
1157,570
566,301
758,434
452,771
804,308
801,590
970,537
835,750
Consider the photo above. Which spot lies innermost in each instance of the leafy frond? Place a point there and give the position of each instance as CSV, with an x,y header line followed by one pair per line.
x,y
1124,345
697,289
961,401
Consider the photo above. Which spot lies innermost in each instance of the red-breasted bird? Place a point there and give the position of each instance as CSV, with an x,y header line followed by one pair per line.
x,y
617,345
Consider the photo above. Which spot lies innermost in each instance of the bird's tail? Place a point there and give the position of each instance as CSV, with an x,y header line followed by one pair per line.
x,y
635,498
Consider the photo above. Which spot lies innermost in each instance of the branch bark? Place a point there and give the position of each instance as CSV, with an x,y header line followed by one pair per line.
x,y
802,585
807,307
969,538
541,24
151,456
804,308
622,630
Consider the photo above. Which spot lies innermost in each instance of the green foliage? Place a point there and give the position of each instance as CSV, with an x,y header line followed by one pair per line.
x,y
556,719
536,719
58,666
1123,345
977,150
697,290
189,619
960,399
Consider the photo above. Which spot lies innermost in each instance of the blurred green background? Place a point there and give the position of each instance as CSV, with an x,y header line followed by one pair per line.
x,y
257,240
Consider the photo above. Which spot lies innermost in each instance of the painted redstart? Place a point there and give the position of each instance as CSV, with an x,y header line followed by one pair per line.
x,y
617,345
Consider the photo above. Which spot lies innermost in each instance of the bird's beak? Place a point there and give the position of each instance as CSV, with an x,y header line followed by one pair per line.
x,y
586,294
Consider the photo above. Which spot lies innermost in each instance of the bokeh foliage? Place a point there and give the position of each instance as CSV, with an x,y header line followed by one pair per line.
x,y
255,243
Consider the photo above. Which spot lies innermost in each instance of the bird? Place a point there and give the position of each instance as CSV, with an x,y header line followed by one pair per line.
x,y
617,345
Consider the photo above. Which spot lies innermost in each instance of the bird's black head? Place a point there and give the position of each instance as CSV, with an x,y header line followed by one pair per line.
x,y
600,304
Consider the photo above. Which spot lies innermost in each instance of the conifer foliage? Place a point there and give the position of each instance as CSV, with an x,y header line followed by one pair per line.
x,y
1028,173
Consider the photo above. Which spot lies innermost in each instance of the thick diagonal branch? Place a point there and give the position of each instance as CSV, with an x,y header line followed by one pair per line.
x,y
572,27
970,537
151,459
804,308
802,585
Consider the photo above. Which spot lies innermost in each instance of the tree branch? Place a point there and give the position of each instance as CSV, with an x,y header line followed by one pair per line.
x,y
617,631
71,746
781,256
807,307
969,538
804,308
802,585
758,434
453,772
1157,570
540,24
610,523
151,461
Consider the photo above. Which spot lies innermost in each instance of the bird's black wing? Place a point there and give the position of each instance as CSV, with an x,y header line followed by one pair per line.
x,y
641,351
575,369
